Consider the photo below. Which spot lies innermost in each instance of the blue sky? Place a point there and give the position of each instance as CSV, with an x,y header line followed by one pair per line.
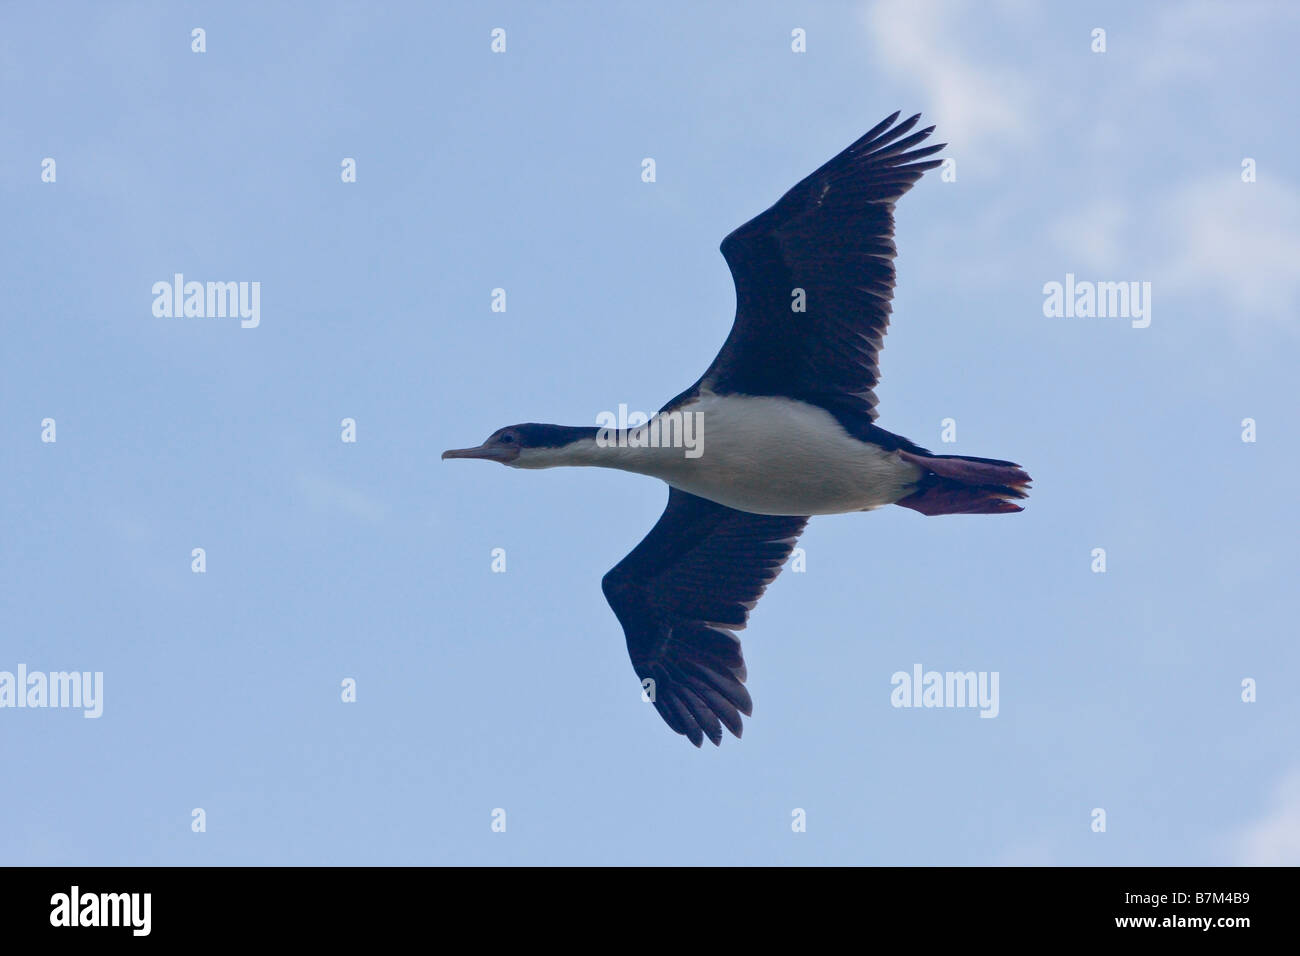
x,y
372,560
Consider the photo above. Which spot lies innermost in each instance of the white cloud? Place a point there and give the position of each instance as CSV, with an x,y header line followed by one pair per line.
x,y
1093,236
1239,240
970,101
1274,839
1206,241
1214,237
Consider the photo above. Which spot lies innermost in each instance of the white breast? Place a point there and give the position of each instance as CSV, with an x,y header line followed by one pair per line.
x,y
778,456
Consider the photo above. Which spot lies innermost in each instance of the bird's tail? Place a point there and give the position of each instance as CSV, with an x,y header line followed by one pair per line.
x,y
956,485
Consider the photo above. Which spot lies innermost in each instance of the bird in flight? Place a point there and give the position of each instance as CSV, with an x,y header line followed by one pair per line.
x,y
780,427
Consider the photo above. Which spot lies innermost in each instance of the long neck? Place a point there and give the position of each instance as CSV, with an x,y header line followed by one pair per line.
x,y
651,449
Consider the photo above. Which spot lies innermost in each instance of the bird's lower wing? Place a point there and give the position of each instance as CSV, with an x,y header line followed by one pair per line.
x,y
682,592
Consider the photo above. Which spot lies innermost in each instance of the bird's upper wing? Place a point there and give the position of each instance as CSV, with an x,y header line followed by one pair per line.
x,y
682,592
832,236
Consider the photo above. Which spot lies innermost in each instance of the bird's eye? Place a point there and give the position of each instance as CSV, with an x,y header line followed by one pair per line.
x,y
507,439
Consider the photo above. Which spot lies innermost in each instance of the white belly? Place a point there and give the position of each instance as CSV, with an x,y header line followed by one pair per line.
x,y
778,456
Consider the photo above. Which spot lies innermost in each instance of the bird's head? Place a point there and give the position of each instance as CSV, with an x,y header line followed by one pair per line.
x,y
529,445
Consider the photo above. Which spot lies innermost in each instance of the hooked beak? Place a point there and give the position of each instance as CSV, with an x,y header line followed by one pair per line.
x,y
486,452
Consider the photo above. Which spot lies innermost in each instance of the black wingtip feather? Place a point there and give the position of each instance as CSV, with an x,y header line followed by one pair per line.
x,y
894,133
880,127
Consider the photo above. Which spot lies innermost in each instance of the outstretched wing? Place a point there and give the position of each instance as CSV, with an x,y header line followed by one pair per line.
x,y
680,595
831,236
